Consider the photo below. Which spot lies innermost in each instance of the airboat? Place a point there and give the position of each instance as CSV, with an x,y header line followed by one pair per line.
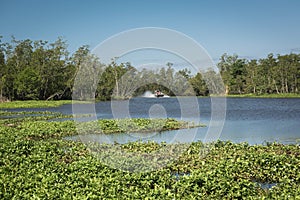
x,y
158,93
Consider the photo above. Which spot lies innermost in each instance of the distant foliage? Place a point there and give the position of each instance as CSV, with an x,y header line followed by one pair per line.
x,y
39,70
271,75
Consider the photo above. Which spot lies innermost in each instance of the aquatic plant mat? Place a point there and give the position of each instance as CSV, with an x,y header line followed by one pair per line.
x,y
37,163
34,104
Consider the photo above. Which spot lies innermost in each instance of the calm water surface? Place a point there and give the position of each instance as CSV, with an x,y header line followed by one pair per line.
x,y
252,120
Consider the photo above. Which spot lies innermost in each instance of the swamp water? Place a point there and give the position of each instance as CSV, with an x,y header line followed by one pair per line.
x,y
252,120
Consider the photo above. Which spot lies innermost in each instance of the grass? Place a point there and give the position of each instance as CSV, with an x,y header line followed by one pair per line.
x,y
33,104
37,104
286,95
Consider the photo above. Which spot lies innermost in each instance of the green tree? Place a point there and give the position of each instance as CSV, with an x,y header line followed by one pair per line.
x,y
88,69
233,72
2,68
17,60
53,74
252,79
129,82
27,84
268,74
199,85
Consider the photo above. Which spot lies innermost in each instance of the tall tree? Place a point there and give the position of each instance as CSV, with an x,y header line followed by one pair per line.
x,y
199,85
18,60
233,72
252,79
2,67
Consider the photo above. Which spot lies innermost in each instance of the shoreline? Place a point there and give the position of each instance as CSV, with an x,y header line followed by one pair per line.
x,y
56,103
271,96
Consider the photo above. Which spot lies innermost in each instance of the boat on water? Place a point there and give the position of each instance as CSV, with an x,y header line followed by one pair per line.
x,y
158,93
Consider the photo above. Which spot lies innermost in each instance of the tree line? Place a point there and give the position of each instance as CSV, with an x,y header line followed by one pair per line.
x,y
42,70
272,75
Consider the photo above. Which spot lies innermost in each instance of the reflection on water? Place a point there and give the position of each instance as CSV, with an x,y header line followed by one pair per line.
x,y
175,136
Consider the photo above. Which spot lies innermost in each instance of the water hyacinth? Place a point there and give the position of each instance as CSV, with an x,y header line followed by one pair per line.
x,y
36,162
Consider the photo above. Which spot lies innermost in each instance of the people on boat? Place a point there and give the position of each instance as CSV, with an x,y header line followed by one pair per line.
x,y
158,93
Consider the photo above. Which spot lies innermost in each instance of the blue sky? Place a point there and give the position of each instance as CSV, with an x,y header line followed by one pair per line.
x,y
249,28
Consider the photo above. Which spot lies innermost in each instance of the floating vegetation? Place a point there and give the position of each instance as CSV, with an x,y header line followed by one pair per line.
x,y
15,118
143,125
33,104
54,168
35,162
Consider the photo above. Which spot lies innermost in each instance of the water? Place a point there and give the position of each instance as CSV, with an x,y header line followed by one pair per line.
x,y
266,186
252,120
